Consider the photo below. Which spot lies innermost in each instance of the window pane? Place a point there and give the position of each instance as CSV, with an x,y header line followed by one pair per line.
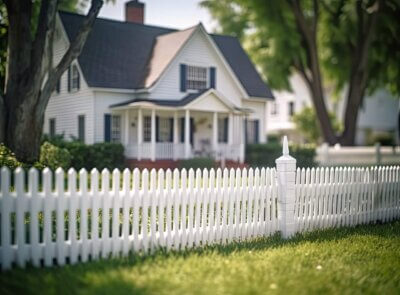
x,y
147,129
52,127
75,77
250,131
164,131
116,128
196,78
81,128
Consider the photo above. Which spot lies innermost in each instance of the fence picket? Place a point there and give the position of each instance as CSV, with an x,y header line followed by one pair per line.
x,y
60,217
20,216
105,225
125,211
95,196
84,215
34,217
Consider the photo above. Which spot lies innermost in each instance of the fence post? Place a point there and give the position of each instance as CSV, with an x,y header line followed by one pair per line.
x,y
378,153
286,174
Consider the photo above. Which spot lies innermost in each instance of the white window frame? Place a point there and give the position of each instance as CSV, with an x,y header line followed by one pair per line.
x,y
164,129
274,109
196,77
116,128
147,129
74,78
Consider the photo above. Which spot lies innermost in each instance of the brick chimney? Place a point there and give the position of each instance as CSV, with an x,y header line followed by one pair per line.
x,y
134,12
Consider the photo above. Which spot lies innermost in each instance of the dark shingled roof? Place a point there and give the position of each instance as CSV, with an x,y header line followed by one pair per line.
x,y
164,102
116,54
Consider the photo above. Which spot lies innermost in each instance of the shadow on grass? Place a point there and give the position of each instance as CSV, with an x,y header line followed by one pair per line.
x,y
90,276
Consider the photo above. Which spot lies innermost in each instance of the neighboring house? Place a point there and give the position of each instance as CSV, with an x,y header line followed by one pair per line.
x,y
379,114
164,94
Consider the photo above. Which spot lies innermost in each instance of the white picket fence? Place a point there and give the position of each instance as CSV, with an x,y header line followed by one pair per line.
x,y
146,211
49,219
346,196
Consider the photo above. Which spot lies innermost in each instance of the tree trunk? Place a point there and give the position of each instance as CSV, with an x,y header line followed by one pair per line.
x,y
24,130
26,93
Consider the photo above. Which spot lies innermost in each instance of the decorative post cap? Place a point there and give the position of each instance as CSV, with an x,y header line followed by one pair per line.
x,y
285,150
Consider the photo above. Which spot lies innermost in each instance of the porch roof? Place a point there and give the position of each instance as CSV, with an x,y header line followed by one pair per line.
x,y
180,103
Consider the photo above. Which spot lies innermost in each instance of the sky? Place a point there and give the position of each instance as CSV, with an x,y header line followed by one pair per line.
x,y
179,14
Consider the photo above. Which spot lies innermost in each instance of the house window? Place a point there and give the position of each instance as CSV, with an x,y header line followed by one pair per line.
x,y
81,128
291,108
52,127
147,129
223,130
116,128
164,130
274,108
252,131
58,86
196,78
74,78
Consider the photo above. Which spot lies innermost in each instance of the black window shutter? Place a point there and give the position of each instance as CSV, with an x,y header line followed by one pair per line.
x,y
182,129
183,77
245,131
171,129
213,77
69,79
256,131
226,129
157,129
58,87
191,130
107,127
78,79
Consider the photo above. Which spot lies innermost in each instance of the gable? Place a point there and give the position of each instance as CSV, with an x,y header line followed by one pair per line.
x,y
210,101
198,51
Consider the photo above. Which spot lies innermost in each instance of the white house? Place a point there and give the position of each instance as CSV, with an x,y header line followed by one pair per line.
x,y
380,112
165,94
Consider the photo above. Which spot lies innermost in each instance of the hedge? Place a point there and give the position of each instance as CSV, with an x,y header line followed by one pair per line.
x,y
264,155
99,155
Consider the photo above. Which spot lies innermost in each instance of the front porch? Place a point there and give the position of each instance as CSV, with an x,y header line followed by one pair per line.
x,y
206,126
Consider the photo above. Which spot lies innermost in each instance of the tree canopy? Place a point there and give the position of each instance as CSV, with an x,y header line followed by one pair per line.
x,y
349,45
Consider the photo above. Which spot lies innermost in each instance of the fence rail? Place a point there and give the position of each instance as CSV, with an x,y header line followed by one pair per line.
x,y
64,218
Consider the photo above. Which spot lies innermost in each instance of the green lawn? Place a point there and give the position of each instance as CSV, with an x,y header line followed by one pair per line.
x,y
359,260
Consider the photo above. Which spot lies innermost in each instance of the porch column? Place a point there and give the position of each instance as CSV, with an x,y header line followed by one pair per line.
x,y
215,133
187,134
153,134
139,134
242,139
230,137
175,146
127,129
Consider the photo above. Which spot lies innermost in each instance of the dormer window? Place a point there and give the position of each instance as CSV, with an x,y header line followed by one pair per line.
x,y
73,78
196,78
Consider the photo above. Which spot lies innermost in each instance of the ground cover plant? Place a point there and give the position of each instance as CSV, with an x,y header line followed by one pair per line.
x,y
360,260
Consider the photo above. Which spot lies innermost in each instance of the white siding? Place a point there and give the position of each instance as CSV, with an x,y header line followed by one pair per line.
x,y
66,106
198,51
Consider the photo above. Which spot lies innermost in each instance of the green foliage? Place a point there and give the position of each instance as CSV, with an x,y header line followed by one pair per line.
x,y
384,138
356,260
268,31
197,163
7,158
264,155
99,155
53,157
307,124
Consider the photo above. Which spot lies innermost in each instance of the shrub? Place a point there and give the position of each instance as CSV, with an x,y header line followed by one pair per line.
x,y
53,157
8,159
264,155
197,163
99,155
